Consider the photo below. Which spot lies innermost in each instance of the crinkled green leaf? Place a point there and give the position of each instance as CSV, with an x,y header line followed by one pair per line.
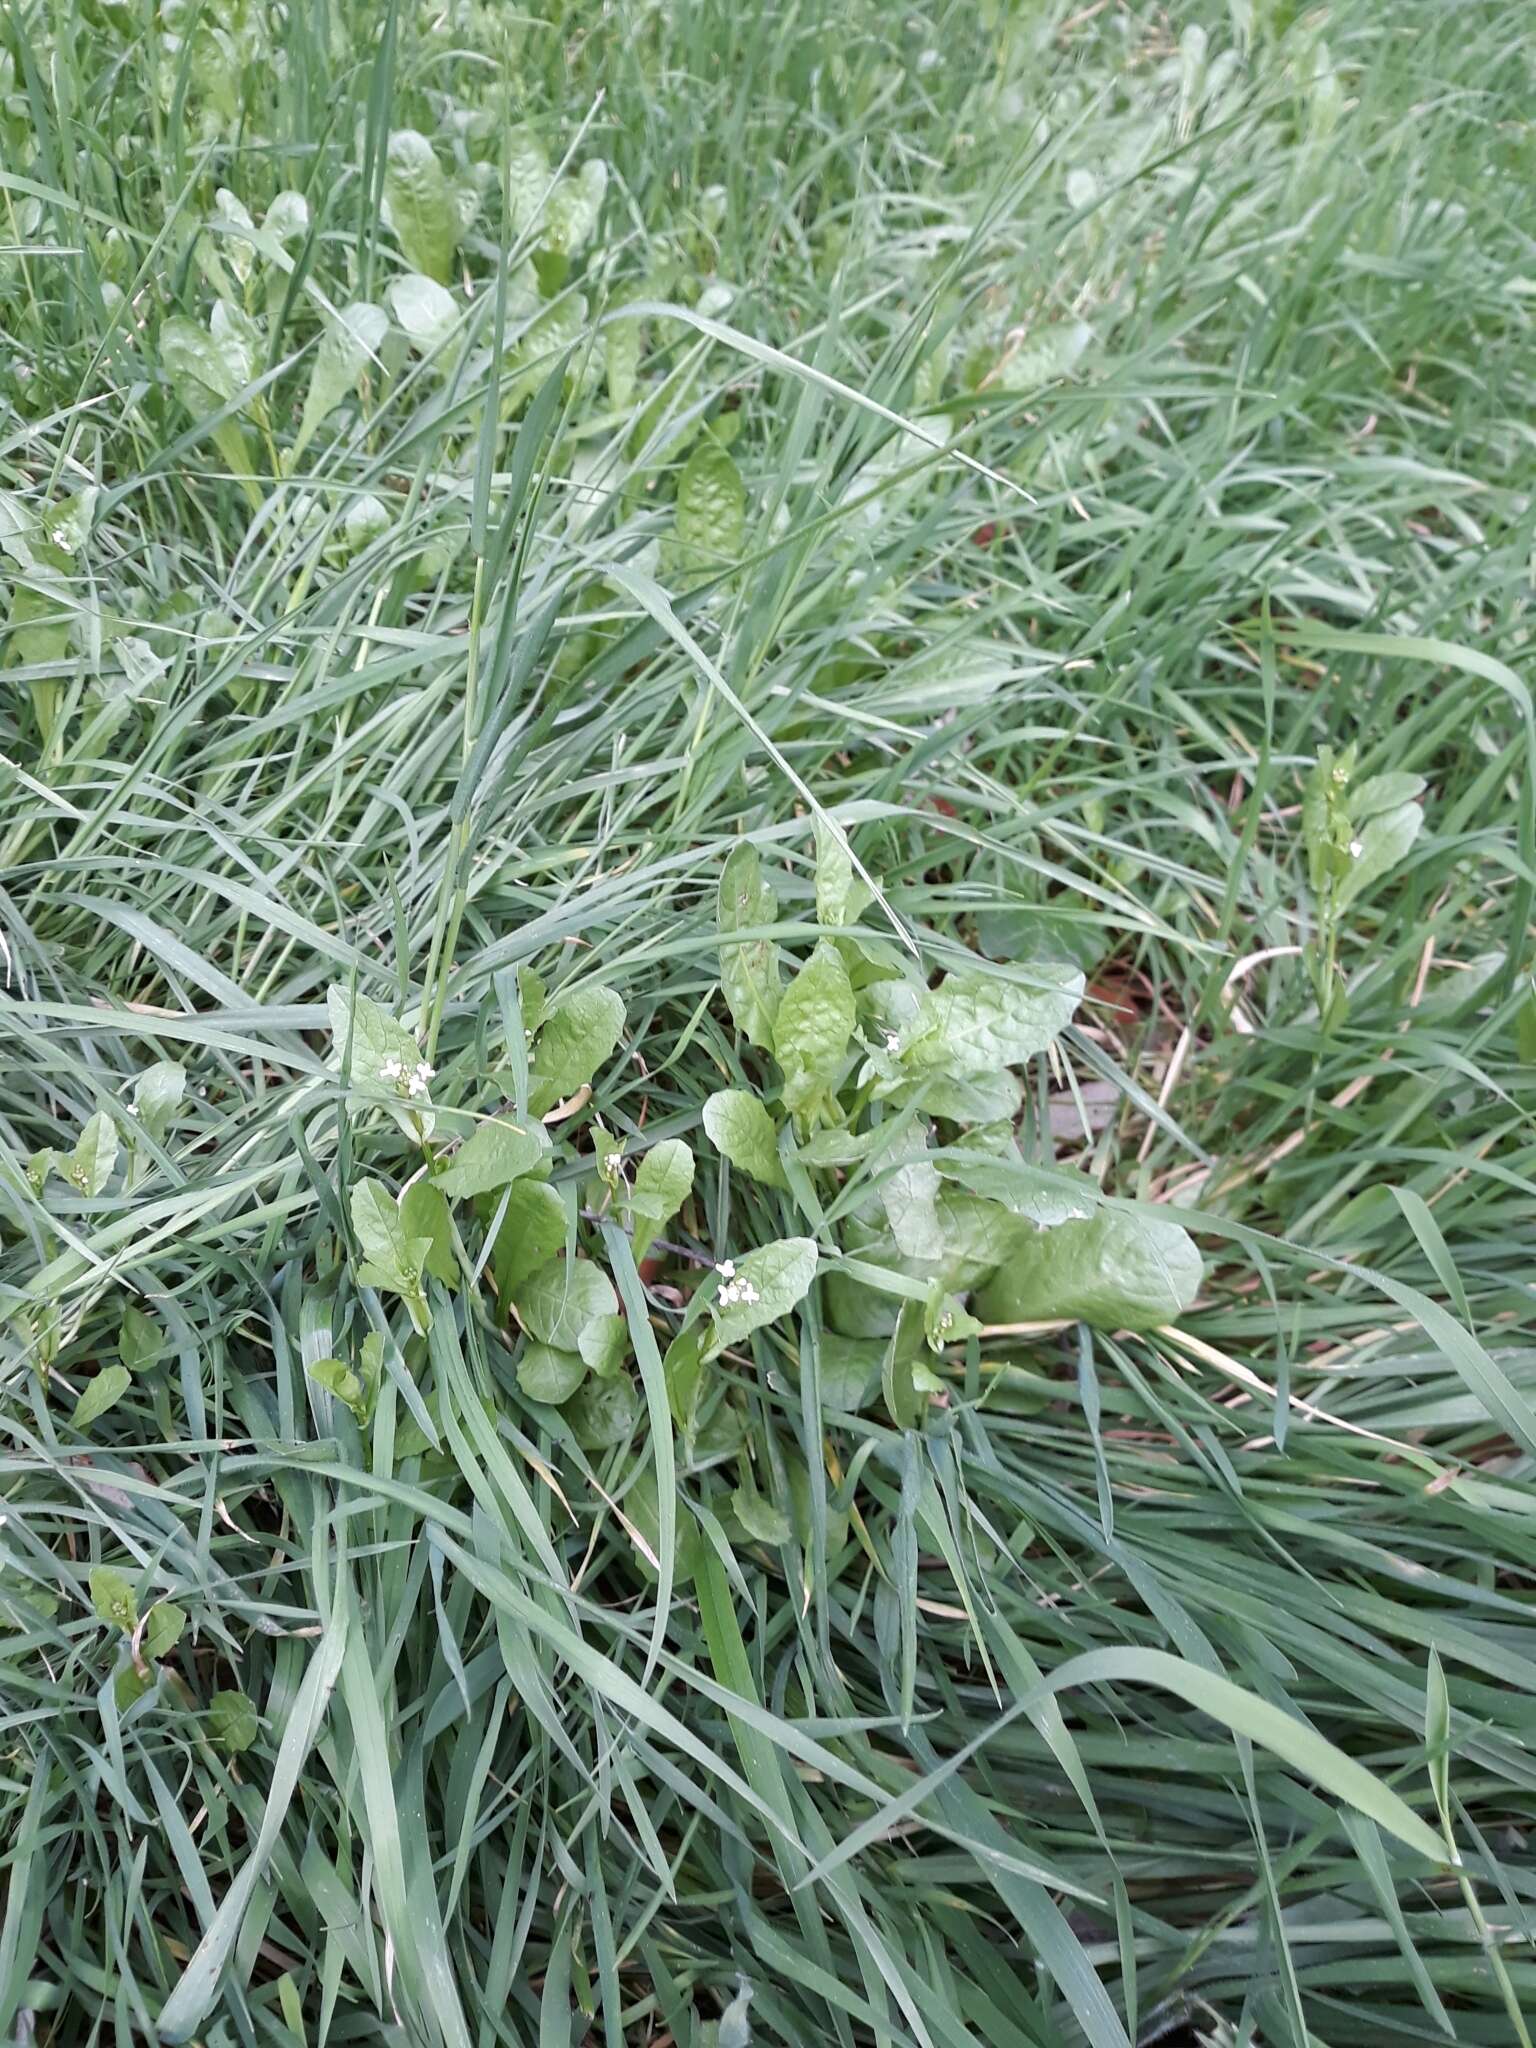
x,y
742,1131
749,970
812,1027
420,205
711,512
974,1023
1117,1270
840,894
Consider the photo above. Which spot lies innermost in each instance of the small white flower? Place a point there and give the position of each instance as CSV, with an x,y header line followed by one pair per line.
x,y
726,1269
391,1070
893,1041
614,1163
417,1085
1356,848
748,1292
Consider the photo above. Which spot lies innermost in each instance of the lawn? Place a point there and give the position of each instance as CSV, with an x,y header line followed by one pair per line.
x,y
767,1171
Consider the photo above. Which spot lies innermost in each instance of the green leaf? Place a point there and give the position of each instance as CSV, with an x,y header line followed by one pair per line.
x,y
1384,793
162,1629
811,1031
130,1686
742,1131
101,1393
40,1164
112,1598
207,373
392,1258
232,1722
1117,1270
556,1303
974,1023
157,1094
420,205
497,1152
764,1285
140,1340
580,1031
1382,842
528,179
840,894
945,1321
571,214
683,1370
531,1232
603,1412
89,1167
339,1379
762,1521
423,311
604,1344
424,1213
348,345
711,513
749,971
663,1181
385,1058
909,1194
548,1375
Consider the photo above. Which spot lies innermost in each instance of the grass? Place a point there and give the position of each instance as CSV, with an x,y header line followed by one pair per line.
x,y
1026,437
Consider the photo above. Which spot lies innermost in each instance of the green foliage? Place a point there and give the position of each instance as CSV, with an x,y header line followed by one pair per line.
x,y
766,788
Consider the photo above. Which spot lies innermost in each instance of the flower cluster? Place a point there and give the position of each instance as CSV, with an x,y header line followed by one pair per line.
x,y
734,1290
415,1080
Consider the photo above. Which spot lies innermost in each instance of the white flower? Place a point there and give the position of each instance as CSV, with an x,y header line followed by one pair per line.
x,y
417,1084
726,1269
391,1070
893,1041
1356,848
614,1163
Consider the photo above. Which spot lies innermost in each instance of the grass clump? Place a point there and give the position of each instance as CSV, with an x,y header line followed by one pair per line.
x,y
766,799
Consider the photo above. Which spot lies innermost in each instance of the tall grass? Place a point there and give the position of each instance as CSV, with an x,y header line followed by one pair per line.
x,y
1129,406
